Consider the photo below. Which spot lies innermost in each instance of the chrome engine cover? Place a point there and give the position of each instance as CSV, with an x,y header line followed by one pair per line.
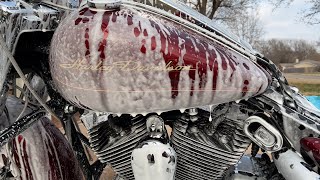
x,y
154,160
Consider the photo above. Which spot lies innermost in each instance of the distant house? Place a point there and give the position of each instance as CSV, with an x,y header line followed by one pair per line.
x,y
306,66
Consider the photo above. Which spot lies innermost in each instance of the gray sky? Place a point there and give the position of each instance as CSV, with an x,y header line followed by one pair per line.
x,y
285,23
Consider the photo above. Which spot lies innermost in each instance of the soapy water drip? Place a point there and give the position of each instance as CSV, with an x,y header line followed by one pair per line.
x,y
210,116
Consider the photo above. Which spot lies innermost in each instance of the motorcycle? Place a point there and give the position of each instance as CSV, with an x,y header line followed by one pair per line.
x,y
162,91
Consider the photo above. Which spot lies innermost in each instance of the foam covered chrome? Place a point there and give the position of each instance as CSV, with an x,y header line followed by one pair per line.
x,y
263,134
154,160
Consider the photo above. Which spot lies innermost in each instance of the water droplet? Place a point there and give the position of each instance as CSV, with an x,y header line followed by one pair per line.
x,y
134,114
210,109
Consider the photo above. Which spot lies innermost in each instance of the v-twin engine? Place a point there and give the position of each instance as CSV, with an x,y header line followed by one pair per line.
x,y
206,150
114,140
206,147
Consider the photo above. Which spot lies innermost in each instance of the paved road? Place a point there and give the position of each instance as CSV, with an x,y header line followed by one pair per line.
x,y
303,78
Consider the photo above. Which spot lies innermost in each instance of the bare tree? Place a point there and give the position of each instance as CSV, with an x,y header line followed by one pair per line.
x,y
229,9
287,51
303,50
247,26
277,3
221,9
236,15
278,51
318,43
310,15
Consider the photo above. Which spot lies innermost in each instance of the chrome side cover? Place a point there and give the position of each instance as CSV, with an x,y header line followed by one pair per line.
x,y
263,134
154,160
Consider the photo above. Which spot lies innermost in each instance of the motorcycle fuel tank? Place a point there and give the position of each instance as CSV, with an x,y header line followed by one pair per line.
x,y
133,61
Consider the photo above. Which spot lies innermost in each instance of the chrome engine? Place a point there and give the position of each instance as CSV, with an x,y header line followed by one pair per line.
x,y
206,147
206,150
114,140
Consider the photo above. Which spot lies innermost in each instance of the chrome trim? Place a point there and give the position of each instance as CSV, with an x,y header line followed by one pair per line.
x,y
271,148
155,126
154,160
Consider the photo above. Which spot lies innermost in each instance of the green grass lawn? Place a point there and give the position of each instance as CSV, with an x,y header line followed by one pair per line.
x,y
308,89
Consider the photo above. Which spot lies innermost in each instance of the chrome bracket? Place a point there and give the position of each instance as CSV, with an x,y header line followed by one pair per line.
x,y
263,134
